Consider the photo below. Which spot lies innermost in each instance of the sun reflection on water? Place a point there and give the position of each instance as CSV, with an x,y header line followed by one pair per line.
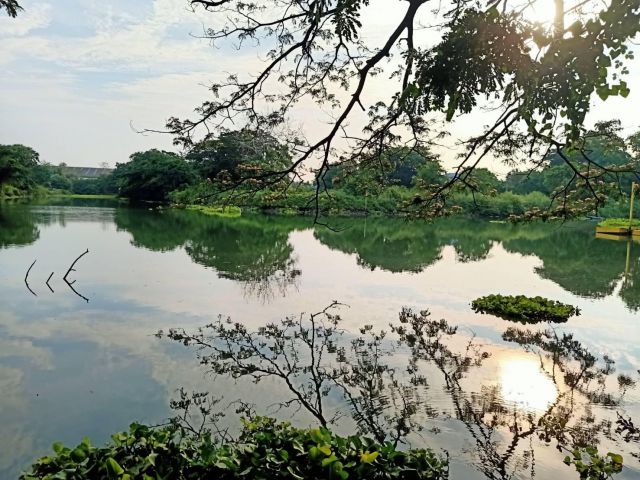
x,y
525,384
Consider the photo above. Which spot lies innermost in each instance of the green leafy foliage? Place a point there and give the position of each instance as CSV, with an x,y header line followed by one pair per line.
x,y
227,212
264,449
17,166
55,178
488,52
524,309
593,466
237,154
152,175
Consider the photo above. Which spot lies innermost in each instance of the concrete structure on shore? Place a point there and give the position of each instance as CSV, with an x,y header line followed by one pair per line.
x,y
86,172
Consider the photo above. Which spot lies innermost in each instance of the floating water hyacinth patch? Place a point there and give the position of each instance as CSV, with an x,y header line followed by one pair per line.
x,y
524,309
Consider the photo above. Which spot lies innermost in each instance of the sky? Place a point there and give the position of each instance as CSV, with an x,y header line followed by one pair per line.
x,y
80,78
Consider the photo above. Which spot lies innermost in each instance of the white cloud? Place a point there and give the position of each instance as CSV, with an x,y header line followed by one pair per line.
x,y
139,64
37,16
120,41
64,124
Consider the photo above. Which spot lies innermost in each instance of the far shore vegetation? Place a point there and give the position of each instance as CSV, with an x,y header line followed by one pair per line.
x,y
210,178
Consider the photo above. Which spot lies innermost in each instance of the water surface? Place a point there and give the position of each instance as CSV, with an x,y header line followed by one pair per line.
x,y
70,368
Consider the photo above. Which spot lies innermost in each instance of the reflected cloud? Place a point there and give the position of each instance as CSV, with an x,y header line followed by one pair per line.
x,y
24,348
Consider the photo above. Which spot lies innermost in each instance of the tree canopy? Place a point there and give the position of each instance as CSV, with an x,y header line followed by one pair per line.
x,y
152,175
613,156
539,78
235,154
17,165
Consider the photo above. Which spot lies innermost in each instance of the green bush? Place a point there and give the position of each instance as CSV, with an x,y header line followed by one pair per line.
x,y
393,200
264,450
524,309
217,211
500,205
613,208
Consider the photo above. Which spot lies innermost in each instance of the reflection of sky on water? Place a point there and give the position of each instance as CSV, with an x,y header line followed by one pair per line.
x,y
69,369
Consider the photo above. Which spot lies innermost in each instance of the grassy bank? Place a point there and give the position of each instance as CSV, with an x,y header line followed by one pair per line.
x,y
215,211
392,201
85,196
10,192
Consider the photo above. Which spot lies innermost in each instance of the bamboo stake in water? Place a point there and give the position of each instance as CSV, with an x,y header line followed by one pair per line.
x,y
633,194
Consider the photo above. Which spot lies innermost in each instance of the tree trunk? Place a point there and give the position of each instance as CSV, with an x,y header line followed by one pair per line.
x,y
558,23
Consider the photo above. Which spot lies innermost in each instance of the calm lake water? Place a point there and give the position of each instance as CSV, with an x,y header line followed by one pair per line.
x,y
70,368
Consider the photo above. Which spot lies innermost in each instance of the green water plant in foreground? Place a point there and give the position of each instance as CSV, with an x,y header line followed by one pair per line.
x,y
524,309
593,466
264,449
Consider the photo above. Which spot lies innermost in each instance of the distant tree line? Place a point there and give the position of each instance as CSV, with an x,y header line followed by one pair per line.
x,y
225,170
22,173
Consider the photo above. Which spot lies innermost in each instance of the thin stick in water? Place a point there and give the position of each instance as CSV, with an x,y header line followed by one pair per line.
x,y
71,269
26,278
47,282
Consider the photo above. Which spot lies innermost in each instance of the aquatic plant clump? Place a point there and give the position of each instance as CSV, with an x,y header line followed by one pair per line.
x,y
229,211
620,223
264,449
524,309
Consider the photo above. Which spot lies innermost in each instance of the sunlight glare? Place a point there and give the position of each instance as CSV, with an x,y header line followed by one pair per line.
x,y
525,384
541,11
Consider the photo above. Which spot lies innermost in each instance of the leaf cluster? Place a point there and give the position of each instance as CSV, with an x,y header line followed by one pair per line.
x,y
593,466
264,449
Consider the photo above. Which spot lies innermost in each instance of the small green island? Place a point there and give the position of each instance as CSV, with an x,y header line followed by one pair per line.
x,y
524,309
619,226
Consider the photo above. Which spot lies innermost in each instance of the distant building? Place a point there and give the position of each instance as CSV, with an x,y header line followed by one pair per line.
x,y
90,173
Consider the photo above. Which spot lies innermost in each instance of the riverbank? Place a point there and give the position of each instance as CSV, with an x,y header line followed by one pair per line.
x,y
391,202
85,196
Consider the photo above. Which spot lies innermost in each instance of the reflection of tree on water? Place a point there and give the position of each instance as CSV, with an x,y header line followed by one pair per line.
x,y
391,245
313,359
254,252
399,246
260,259
156,230
388,398
576,260
504,433
410,246
17,226
571,255
630,289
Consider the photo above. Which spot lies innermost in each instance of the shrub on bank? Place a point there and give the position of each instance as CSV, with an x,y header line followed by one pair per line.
x,y
217,211
265,449
501,205
524,309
